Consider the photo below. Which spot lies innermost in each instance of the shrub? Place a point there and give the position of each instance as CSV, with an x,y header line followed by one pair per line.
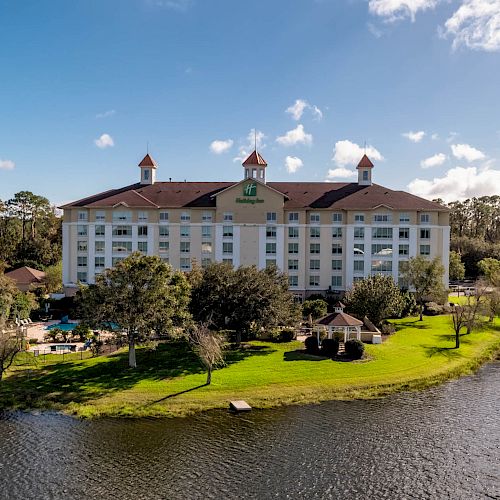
x,y
330,347
433,309
388,329
312,345
410,306
322,335
287,335
354,348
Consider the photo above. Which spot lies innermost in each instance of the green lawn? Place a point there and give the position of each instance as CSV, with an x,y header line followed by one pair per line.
x,y
170,381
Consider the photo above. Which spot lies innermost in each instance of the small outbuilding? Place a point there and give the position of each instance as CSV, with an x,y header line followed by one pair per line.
x,y
26,278
339,321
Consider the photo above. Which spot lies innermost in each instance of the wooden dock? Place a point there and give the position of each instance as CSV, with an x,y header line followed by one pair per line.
x,y
239,406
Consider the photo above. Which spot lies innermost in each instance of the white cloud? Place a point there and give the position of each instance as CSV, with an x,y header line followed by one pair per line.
x,y
459,183
295,136
393,10
292,164
433,161
106,114
476,25
452,136
299,106
252,140
414,136
340,173
466,152
348,153
7,164
105,141
435,137
221,146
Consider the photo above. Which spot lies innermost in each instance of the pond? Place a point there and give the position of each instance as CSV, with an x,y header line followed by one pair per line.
x,y
436,444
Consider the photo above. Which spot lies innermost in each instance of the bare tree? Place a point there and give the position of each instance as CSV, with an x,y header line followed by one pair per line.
x,y
208,346
460,318
10,345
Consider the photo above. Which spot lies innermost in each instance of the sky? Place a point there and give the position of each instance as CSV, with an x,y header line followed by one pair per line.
x,y
87,87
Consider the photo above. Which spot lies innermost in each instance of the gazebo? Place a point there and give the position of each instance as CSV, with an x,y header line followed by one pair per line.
x,y
339,321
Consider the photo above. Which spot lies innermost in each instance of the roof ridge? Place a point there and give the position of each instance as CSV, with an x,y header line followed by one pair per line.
x,y
144,198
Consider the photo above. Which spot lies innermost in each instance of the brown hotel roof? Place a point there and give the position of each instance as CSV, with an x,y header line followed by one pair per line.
x,y
309,195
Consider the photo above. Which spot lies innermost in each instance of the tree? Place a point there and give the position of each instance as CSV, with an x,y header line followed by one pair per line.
x,y
426,278
460,317
8,292
316,308
376,297
10,345
53,278
490,269
24,303
457,267
139,293
208,346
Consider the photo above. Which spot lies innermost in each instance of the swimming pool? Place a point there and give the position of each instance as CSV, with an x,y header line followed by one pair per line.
x,y
67,327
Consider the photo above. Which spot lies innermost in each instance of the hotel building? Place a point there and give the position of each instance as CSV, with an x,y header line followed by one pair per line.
x,y
324,235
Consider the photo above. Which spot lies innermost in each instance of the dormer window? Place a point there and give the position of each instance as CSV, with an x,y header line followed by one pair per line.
x,y
365,175
146,174
254,173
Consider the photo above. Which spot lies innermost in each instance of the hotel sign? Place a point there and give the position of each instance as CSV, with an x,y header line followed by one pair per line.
x,y
250,194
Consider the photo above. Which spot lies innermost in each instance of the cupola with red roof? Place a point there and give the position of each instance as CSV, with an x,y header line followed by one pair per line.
x,y
365,171
255,167
148,170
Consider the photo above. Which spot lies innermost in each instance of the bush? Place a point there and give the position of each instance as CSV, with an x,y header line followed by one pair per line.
x,y
330,347
410,307
387,329
433,309
312,345
354,348
287,335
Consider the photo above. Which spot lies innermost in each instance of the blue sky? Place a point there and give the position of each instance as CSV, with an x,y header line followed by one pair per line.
x,y
86,85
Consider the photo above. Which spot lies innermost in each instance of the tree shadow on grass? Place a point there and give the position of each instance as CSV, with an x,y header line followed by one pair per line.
x,y
302,355
420,325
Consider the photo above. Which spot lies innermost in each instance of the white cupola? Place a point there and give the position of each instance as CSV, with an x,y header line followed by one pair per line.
x,y
148,170
254,167
364,169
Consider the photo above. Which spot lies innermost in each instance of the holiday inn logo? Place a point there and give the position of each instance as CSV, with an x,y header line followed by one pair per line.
x,y
250,194
250,189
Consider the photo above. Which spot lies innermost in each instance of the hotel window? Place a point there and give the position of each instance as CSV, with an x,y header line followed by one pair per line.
x,y
82,215
206,217
184,231
425,218
336,217
227,261
206,247
206,231
163,246
227,231
293,265
359,249
425,234
314,218
336,265
404,218
81,230
121,246
336,232
293,248
205,262
254,173
115,260
228,216
314,248
356,279
402,266
382,249
359,218
122,216
185,264
163,216
382,233
100,215
425,249
382,218
404,250
314,264
99,246
336,281
359,266
336,248
293,217
293,232
142,230
99,262
142,216
365,175
270,263
99,230
404,233
82,246
293,281
314,232
247,173
146,174
359,233
82,261
227,247
271,232
185,246
314,280
165,259
81,276
271,248
185,217
380,266
142,246
271,217
163,231
122,231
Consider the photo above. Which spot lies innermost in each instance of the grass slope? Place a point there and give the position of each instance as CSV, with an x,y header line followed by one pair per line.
x,y
170,381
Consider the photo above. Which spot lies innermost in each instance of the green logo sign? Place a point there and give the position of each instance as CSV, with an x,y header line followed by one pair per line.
x,y
250,189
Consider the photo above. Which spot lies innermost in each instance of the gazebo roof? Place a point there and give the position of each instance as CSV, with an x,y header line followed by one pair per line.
x,y
339,319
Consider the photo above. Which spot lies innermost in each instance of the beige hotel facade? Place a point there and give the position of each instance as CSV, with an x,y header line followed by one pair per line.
x,y
324,235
